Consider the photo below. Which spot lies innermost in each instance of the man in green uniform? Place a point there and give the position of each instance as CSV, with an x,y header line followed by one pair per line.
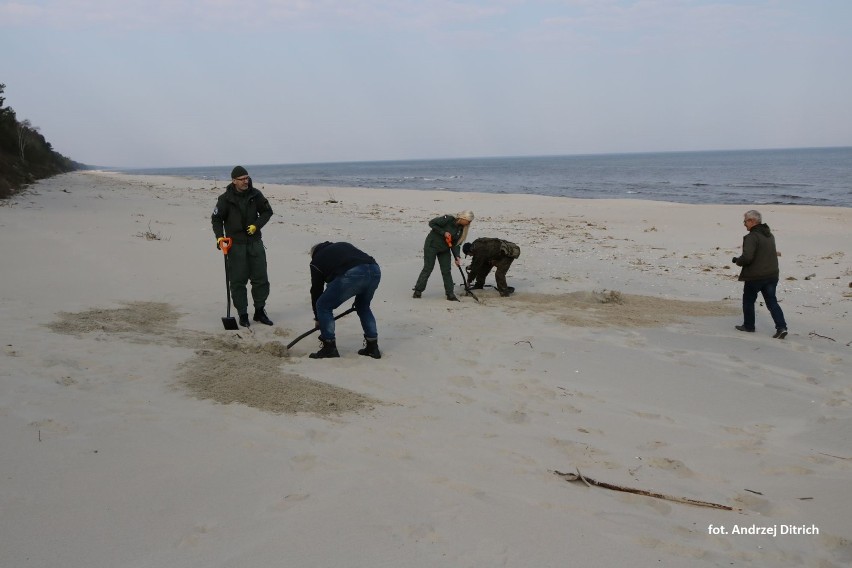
x,y
240,213
487,253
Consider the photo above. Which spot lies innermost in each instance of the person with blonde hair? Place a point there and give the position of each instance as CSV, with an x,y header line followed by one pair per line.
x,y
444,229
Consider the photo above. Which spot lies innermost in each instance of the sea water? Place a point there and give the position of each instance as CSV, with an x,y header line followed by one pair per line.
x,y
810,176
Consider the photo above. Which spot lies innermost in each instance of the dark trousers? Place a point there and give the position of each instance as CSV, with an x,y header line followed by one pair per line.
x,y
445,260
361,282
247,262
502,264
766,287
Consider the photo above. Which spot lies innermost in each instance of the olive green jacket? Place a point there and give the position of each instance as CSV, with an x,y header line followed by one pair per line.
x,y
759,260
440,225
229,220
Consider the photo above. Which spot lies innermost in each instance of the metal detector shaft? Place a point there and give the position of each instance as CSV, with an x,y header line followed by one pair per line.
x,y
467,289
310,331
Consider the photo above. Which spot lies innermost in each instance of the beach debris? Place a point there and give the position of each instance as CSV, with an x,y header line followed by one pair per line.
x,y
150,235
590,482
608,296
815,334
809,276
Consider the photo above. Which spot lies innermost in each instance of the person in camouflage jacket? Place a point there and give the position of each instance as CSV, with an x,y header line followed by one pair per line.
x,y
488,253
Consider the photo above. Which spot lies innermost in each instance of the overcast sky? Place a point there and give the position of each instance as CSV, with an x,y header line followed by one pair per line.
x,y
160,83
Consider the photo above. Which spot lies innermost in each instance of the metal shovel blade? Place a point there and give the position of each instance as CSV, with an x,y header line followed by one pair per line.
x,y
230,323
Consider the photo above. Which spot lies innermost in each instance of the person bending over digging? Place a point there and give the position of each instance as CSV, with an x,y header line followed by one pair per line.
x,y
340,271
454,227
491,253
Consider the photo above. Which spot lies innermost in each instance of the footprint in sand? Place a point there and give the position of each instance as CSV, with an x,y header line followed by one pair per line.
x,y
195,536
289,501
50,428
668,464
653,416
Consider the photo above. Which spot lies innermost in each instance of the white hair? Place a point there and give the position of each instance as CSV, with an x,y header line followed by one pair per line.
x,y
754,215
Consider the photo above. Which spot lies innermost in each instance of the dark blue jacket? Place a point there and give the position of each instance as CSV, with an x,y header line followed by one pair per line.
x,y
331,260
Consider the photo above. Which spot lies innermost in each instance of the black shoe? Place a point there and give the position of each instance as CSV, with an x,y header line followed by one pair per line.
x,y
780,333
371,348
328,350
452,297
260,315
476,287
244,320
416,294
743,328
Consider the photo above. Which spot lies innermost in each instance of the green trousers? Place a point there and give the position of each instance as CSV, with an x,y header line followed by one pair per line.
x,y
502,265
247,262
444,258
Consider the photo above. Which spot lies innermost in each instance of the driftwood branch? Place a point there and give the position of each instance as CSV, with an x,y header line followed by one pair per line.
x,y
589,482
815,334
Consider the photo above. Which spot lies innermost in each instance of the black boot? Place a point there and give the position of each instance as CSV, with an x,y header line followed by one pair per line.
x,y
328,350
416,294
244,320
260,315
371,348
452,297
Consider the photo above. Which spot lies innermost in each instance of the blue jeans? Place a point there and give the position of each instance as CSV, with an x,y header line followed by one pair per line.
x,y
767,288
360,281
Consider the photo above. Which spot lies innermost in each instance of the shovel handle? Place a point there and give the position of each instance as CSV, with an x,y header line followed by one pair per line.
x,y
225,245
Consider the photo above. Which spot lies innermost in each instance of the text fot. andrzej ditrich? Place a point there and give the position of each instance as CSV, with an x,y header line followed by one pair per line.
x,y
769,530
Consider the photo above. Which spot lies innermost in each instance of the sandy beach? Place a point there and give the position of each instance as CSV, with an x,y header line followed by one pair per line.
x,y
136,432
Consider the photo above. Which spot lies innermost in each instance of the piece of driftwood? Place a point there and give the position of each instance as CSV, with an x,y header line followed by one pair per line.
x,y
589,482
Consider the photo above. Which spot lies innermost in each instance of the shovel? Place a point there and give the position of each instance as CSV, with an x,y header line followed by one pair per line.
x,y
228,321
310,331
467,289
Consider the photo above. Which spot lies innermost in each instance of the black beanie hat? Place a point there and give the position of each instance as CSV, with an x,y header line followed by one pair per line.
x,y
466,249
239,171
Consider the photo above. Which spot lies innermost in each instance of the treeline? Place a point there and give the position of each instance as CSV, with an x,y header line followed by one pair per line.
x,y
25,156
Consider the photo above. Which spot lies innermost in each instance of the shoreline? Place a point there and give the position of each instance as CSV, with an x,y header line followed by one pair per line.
x,y
770,177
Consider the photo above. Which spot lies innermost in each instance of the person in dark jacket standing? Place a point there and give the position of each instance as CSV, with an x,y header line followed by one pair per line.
x,y
454,227
340,271
240,213
759,274
491,253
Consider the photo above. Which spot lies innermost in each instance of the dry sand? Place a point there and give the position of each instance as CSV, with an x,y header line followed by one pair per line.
x,y
135,431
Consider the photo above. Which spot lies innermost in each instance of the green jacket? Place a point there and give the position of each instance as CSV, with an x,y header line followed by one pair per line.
x,y
759,259
439,226
229,220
